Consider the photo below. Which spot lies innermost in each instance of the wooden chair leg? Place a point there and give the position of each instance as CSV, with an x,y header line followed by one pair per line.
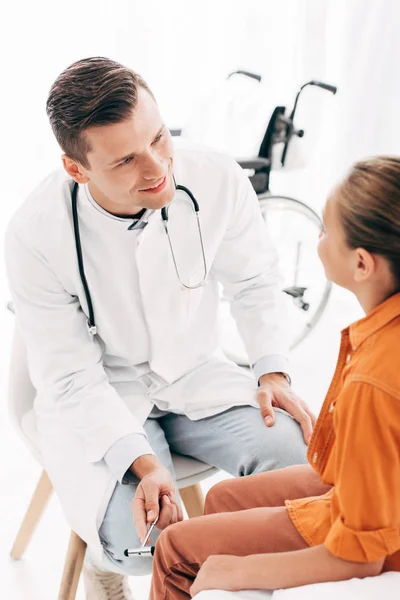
x,y
32,517
193,499
72,567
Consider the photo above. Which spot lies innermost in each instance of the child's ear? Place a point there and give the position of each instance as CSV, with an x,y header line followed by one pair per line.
x,y
365,265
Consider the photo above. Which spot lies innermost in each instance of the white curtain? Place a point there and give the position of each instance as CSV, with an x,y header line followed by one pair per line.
x,y
359,51
363,56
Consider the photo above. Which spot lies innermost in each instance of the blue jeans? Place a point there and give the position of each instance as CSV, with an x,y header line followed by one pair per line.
x,y
236,441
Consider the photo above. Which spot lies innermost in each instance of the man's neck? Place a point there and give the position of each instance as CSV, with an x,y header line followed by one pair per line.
x,y
137,215
113,208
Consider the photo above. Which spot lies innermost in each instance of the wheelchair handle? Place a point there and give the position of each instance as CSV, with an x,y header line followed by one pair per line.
x,y
247,74
321,84
289,127
324,86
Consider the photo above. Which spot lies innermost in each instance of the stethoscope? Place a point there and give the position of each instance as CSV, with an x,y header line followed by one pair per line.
x,y
164,215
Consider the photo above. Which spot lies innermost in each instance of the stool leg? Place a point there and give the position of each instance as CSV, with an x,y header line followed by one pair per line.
x,y
193,499
72,567
33,514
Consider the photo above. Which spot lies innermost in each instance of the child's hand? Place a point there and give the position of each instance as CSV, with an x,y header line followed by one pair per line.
x,y
220,573
275,391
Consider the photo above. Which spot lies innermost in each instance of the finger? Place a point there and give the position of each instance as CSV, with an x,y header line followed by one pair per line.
x,y
139,514
309,412
180,512
264,398
197,586
151,493
292,405
172,496
173,513
194,590
174,516
176,502
308,425
165,513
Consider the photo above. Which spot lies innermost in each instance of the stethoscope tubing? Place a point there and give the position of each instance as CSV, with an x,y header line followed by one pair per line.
x,y
165,217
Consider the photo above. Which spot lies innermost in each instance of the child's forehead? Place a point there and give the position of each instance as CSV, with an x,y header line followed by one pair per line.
x,y
327,207
329,210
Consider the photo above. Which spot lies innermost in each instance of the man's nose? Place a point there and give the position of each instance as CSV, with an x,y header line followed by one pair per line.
x,y
153,167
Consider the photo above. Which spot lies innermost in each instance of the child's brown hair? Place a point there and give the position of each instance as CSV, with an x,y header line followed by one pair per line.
x,y
369,208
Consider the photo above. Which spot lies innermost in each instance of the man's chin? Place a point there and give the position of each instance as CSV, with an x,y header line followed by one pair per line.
x,y
157,201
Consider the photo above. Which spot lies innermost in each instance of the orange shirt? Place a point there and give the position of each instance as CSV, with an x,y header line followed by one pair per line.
x,y
355,447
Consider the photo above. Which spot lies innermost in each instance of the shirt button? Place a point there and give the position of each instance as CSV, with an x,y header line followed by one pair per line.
x,y
348,357
331,408
315,457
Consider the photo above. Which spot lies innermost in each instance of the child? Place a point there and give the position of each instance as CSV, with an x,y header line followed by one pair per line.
x,y
339,516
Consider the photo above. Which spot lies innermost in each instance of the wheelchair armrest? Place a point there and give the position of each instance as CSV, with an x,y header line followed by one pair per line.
x,y
256,163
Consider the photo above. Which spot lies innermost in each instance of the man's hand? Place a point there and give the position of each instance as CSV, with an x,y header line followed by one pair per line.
x,y
275,391
220,573
155,496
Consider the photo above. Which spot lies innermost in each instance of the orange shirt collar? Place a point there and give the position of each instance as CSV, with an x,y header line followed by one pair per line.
x,y
375,320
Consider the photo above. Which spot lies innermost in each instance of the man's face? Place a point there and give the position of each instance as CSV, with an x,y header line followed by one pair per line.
x,y
131,162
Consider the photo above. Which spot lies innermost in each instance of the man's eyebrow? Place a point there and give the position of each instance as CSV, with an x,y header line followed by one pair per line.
x,y
119,160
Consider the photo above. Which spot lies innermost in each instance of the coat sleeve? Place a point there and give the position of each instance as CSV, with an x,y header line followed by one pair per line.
x,y
65,363
247,266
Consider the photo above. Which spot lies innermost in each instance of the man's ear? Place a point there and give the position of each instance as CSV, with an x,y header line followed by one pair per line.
x,y
365,265
74,169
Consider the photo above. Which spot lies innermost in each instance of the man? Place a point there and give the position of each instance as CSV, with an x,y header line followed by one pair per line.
x,y
113,399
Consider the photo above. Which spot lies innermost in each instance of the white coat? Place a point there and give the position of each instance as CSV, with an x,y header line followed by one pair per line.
x,y
84,401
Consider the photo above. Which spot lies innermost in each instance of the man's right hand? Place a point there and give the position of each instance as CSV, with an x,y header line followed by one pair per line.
x,y
155,496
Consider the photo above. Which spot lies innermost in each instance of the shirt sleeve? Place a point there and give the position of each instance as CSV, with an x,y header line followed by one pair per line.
x,y
367,475
274,363
125,451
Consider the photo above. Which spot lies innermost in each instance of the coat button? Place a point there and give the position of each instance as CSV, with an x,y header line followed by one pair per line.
x,y
348,357
315,457
331,408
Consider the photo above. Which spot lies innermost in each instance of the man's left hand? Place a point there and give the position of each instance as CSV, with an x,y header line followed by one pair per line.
x,y
221,572
275,391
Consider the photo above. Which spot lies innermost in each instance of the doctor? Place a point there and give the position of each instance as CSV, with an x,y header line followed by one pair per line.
x,y
121,333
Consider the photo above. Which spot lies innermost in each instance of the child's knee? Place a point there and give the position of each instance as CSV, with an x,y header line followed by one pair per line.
x,y
217,499
172,545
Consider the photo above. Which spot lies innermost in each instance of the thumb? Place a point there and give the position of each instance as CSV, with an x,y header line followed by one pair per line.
x,y
264,398
151,500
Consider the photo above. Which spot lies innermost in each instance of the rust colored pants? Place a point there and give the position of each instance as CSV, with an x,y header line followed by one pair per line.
x,y
242,516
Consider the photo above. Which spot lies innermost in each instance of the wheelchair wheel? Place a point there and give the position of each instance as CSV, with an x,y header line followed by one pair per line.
x,y
294,228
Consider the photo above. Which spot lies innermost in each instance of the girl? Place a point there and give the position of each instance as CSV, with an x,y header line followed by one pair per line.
x,y
339,516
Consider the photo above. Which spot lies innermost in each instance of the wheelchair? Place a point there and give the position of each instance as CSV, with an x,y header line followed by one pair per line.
x,y
293,226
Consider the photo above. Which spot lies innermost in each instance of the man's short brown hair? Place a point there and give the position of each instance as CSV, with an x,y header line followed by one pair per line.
x,y
91,92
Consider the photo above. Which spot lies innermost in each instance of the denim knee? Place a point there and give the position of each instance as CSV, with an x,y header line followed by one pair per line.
x,y
284,446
